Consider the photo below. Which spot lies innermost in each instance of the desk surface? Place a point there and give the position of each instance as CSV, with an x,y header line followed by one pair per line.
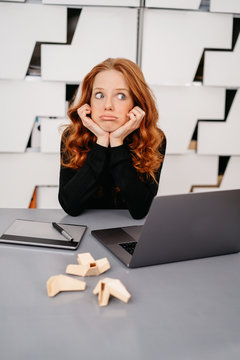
x,y
185,311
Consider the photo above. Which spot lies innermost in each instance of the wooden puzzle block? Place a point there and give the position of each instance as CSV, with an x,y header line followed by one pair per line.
x,y
114,287
75,270
85,258
103,294
83,270
103,265
58,283
88,266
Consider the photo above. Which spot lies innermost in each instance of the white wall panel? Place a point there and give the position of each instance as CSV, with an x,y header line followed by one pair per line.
x,y
173,43
20,173
231,178
221,138
222,68
181,107
205,189
95,2
47,197
226,6
100,33
51,131
21,26
174,4
20,102
35,136
180,172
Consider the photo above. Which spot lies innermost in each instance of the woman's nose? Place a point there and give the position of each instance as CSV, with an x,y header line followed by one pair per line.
x,y
108,104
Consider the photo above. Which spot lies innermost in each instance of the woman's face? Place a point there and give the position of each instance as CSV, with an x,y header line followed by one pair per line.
x,y
111,100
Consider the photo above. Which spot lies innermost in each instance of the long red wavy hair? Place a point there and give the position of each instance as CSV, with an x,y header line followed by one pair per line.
x,y
144,143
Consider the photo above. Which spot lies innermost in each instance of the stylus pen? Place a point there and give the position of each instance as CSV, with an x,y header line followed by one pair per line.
x,y
62,231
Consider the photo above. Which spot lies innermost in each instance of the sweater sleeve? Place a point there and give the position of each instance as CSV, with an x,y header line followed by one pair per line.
x,y
137,194
77,186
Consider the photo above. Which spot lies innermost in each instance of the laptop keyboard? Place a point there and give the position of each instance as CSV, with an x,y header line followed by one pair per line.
x,y
129,247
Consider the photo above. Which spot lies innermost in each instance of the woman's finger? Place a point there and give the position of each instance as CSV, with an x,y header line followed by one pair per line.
x,y
84,110
138,112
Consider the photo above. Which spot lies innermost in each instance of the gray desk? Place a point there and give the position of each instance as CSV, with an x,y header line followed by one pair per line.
x,y
184,311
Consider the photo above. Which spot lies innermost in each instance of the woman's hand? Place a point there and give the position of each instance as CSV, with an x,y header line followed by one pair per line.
x,y
136,116
102,136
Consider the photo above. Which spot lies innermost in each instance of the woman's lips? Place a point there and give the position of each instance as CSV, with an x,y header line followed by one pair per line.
x,y
108,117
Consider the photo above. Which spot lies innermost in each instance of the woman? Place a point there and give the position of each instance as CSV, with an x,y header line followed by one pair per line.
x,y
112,152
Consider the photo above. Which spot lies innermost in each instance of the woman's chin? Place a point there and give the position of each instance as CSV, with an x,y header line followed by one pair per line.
x,y
109,127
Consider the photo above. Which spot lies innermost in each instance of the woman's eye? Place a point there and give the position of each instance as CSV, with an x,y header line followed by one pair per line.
x,y
99,95
121,96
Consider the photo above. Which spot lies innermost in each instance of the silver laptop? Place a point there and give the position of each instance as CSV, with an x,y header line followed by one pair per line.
x,y
179,227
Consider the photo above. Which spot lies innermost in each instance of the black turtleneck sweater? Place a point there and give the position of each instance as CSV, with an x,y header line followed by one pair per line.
x,y
107,180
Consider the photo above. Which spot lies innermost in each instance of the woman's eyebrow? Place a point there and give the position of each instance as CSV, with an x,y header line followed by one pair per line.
x,y
122,89
117,89
100,88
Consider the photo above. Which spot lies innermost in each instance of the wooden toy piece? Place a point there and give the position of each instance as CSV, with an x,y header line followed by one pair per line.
x,y
83,270
103,294
91,269
88,266
114,287
85,259
58,283
75,270
103,265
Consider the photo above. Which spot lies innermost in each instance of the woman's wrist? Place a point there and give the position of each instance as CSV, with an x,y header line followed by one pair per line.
x,y
115,142
103,140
